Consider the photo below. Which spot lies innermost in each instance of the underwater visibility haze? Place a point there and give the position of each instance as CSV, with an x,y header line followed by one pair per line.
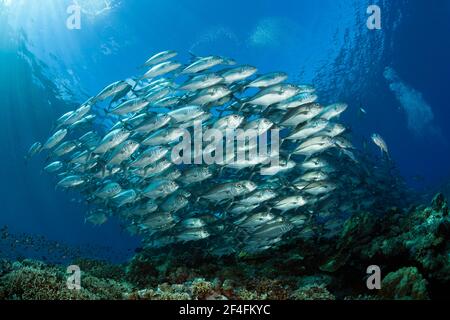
x,y
224,149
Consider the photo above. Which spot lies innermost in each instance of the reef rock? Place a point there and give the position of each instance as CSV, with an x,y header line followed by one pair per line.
x,y
406,284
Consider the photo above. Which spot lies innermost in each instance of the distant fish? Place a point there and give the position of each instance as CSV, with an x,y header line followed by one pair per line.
x,y
362,112
54,167
379,141
34,150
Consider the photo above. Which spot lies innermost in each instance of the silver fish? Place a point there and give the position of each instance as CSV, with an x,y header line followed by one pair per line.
x,y
160,57
111,140
55,139
268,80
161,69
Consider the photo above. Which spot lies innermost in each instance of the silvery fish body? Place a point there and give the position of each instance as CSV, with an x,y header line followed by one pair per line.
x,y
160,57
111,140
112,90
54,167
109,190
71,182
211,94
230,190
129,106
55,139
274,94
268,80
202,81
202,64
290,165
161,69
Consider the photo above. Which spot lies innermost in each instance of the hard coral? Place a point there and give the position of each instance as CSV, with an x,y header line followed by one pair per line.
x,y
34,280
202,289
312,292
406,283
28,283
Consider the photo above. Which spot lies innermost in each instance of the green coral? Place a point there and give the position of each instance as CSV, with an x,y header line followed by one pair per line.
x,y
406,284
101,269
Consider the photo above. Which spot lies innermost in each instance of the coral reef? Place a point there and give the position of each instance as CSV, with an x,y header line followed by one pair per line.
x,y
312,292
410,246
34,280
406,283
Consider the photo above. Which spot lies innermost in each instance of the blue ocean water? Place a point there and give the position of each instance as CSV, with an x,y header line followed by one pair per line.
x,y
399,75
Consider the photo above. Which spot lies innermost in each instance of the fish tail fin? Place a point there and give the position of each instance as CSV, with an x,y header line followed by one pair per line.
x,y
193,56
229,206
197,200
242,106
252,174
94,100
136,81
243,87
288,184
388,156
265,109
289,156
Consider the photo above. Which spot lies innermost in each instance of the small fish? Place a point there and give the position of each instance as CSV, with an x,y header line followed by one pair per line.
x,y
202,64
129,106
202,81
71,182
238,73
160,57
33,150
301,115
193,234
55,139
379,141
108,191
124,197
289,203
230,190
114,89
274,94
333,111
97,218
210,95
160,189
112,140
268,80
54,167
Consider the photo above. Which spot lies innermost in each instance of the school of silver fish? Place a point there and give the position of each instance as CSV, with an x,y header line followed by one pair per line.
x,y
115,150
